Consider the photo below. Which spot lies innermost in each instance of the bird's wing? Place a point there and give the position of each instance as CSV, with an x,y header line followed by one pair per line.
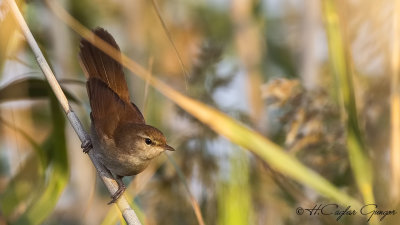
x,y
106,86
97,64
108,109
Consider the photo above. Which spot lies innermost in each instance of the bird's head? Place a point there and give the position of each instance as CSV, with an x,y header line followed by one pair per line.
x,y
142,140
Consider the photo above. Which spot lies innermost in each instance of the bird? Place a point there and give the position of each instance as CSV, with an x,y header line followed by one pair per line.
x,y
121,140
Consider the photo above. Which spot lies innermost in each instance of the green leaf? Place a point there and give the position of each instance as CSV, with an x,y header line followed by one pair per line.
x,y
58,175
235,196
28,186
341,67
25,185
28,88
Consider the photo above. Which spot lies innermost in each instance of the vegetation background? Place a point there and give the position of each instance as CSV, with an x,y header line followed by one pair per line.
x,y
319,80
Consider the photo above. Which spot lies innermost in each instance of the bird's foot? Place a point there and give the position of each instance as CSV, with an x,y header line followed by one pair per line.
x,y
117,194
86,145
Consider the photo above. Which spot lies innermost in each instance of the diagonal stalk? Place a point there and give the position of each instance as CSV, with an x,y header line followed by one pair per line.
x,y
105,175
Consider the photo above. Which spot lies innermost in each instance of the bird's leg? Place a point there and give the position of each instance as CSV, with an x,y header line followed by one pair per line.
x,y
86,145
120,191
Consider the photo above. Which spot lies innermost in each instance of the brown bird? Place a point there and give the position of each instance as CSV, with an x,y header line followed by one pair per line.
x,y
122,141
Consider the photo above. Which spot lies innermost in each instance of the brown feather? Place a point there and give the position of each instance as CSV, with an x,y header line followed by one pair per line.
x,y
107,88
108,109
99,65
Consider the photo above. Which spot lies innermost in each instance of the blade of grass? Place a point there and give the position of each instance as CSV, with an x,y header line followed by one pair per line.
x,y
25,185
29,179
235,195
341,67
395,105
29,88
43,159
146,89
165,28
59,175
219,122
193,201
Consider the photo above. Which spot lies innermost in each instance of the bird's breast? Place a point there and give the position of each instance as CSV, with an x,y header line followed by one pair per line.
x,y
119,162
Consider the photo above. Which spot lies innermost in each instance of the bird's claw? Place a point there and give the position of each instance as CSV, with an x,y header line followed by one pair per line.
x,y
86,145
117,194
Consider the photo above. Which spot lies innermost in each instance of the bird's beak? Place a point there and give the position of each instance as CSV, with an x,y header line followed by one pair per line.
x,y
169,148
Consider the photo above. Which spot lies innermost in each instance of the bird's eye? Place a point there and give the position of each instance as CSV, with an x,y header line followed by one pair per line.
x,y
148,141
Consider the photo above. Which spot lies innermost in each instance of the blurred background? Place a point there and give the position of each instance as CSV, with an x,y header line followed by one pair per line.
x,y
272,65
